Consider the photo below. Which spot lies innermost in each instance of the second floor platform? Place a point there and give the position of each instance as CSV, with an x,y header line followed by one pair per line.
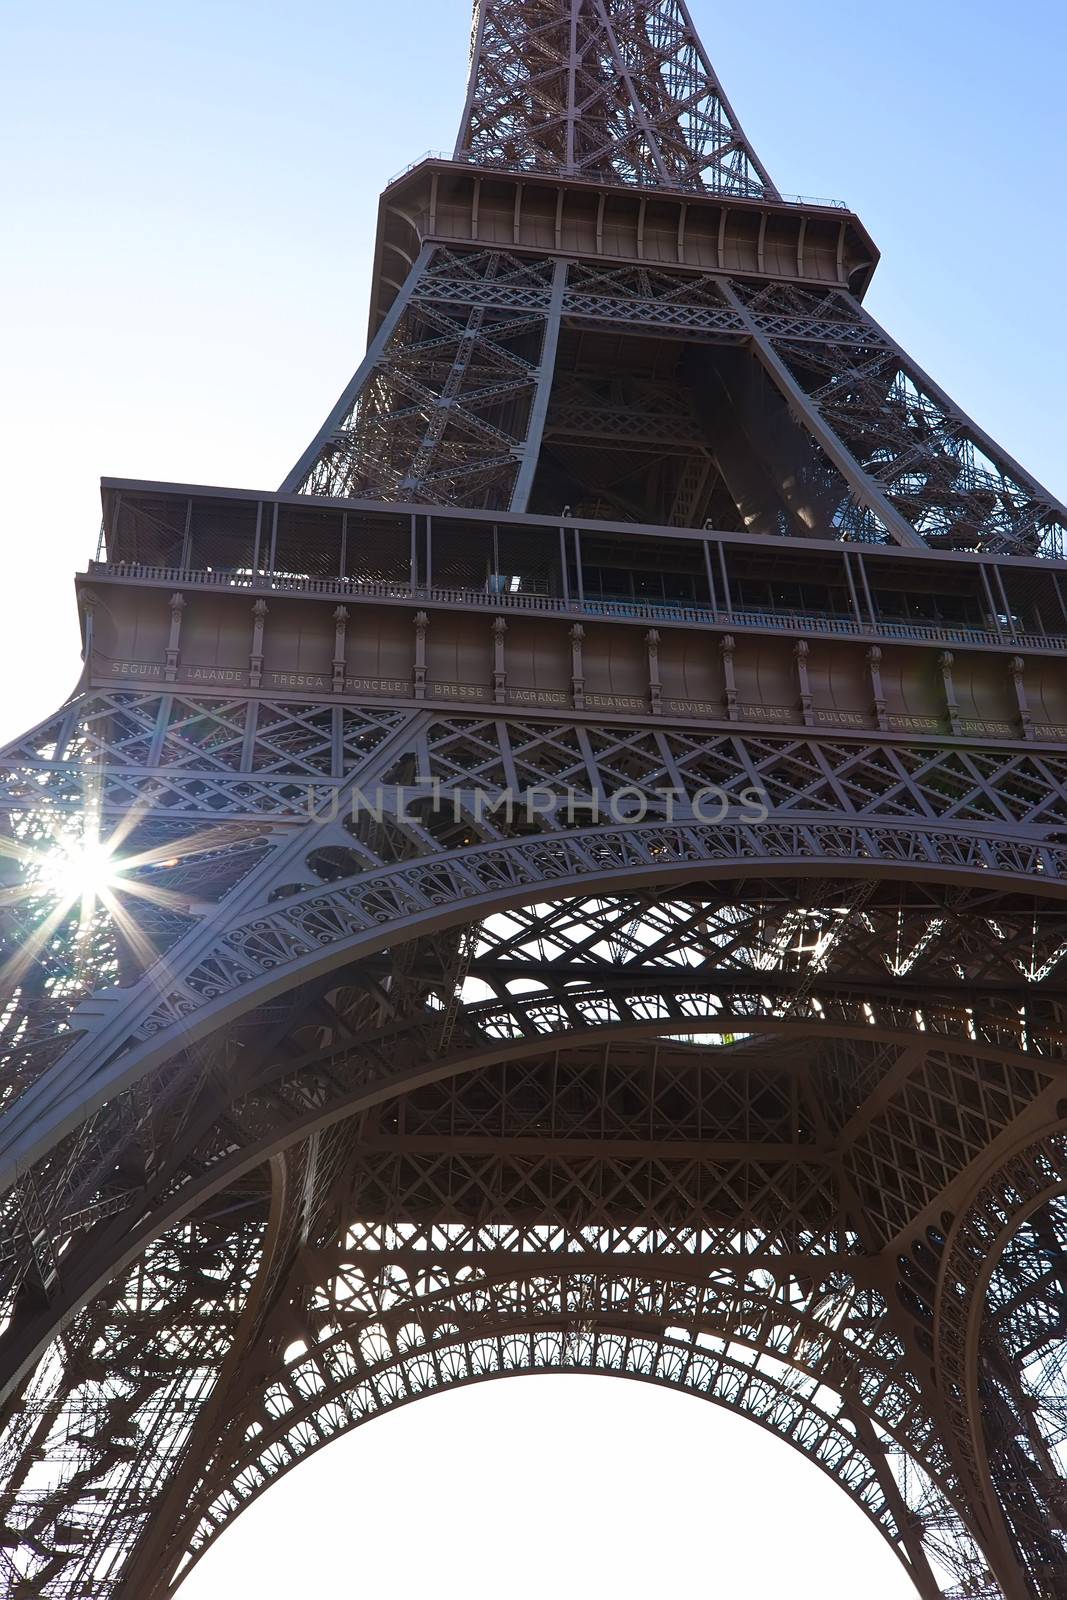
x,y
226,590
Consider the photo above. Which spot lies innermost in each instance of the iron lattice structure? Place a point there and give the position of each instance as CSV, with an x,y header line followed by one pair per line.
x,y
575,881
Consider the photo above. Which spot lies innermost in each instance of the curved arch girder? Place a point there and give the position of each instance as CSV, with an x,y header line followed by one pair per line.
x,y
898,1111
822,1368
972,1358
219,974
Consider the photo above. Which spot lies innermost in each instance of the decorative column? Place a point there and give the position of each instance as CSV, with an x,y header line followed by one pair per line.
x,y
500,672
340,625
577,667
727,646
177,607
1016,669
801,652
946,661
422,622
874,673
655,686
255,663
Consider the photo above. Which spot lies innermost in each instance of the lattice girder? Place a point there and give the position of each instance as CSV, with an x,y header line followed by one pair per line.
x,y
908,1121
687,1316
1007,1409
606,89
485,1343
364,1077
230,967
945,476
482,1329
450,405
940,941
99,1427
572,952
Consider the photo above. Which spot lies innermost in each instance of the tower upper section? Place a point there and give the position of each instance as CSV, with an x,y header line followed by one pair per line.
x,y
615,90
602,310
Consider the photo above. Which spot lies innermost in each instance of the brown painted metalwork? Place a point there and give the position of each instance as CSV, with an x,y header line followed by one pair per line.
x,y
588,886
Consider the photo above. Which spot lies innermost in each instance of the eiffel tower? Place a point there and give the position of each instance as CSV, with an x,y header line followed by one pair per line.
x,y
572,881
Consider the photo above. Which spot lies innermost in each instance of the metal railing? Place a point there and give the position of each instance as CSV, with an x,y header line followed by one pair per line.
x,y
723,192
337,588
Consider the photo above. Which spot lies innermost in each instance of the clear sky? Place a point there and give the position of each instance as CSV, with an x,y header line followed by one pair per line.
x,y
189,196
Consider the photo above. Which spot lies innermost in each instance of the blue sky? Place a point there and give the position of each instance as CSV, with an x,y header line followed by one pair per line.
x,y
190,195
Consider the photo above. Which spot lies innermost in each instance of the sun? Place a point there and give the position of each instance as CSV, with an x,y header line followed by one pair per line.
x,y
76,872
83,877
79,867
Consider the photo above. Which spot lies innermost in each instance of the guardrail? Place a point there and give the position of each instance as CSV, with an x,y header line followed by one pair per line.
x,y
724,192
557,605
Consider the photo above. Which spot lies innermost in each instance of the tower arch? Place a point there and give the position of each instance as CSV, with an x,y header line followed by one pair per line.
x,y
574,880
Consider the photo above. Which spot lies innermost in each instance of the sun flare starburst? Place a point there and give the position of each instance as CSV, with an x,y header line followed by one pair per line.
x,y
80,866
80,881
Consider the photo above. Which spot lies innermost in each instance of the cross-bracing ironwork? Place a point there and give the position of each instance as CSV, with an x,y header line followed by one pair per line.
x,y
503,904
592,88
